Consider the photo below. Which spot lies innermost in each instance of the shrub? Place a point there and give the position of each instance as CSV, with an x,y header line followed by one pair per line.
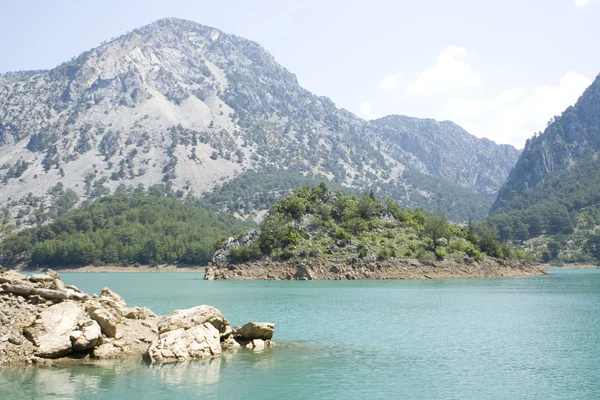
x,y
244,253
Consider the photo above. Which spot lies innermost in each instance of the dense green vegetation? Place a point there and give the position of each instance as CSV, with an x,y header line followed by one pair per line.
x,y
137,226
315,222
259,190
550,204
563,213
432,193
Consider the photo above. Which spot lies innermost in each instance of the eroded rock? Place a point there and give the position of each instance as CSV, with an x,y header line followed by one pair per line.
x,y
192,317
51,332
257,330
200,341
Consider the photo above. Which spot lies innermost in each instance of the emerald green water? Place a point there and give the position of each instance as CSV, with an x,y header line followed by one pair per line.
x,y
524,338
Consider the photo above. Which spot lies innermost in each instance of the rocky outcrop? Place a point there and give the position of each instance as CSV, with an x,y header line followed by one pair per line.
x,y
43,319
220,257
357,269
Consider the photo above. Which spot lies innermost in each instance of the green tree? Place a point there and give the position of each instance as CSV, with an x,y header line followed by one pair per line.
x,y
436,227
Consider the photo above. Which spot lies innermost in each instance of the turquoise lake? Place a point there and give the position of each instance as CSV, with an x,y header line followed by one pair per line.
x,y
518,338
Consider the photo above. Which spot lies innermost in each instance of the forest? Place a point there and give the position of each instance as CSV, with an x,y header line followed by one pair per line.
x,y
148,227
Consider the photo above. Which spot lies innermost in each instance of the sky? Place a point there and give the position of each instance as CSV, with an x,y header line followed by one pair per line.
x,y
500,69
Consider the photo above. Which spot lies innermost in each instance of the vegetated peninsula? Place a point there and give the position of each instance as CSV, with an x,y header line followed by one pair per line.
x,y
319,234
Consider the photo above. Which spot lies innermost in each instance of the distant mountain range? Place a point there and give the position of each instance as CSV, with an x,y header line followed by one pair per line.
x,y
193,108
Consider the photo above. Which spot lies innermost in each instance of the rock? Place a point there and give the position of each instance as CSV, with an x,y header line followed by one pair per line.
x,y
41,278
303,273
209,275
257,330
139,313
107,351
15,339
258,344
87,338
191,317
51,332
109,294
229,344
201,341
108,322
50,294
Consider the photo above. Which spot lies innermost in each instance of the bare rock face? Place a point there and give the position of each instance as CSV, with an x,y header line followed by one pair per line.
x,y
51,332
191,317
257,330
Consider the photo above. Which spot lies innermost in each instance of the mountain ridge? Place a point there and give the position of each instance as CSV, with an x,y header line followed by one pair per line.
x,y
179,103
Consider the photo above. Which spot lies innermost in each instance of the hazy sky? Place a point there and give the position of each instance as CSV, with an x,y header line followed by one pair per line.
x,y
501,69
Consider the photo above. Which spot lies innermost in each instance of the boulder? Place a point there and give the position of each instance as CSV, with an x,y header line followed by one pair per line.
x,y
108,322
200,341
229,344
107,351
88,337
257,330
258,344
303,273
191,317
51,332
138,313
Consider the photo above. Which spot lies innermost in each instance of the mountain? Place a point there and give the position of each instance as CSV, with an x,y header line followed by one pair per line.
x,y
554,189
446,150
570,138
191,107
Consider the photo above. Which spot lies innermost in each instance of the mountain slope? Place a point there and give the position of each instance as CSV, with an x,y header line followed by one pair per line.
x,y
446,150
572,137
553,193
190,106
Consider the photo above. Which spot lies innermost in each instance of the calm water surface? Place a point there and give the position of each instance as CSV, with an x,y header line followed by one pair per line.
x,y
524,338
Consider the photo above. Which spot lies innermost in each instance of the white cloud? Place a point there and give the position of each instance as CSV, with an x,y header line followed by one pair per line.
x,y
448,72
513,117
583,3
366,110
461,108
390,81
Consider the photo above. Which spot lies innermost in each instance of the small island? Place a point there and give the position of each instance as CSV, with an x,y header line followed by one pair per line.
x,y
319,234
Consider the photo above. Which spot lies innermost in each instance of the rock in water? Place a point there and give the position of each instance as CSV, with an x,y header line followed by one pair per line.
x,y
191,317
200,341
257,330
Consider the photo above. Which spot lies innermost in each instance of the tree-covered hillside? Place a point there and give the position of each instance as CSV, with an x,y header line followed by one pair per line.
x,y
138,226
551,201
314,222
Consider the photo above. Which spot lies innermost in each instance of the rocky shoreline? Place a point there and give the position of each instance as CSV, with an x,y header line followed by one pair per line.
x,y
44,321
371,269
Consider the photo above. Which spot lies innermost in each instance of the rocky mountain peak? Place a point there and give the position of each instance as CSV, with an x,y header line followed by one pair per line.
x,y
189,106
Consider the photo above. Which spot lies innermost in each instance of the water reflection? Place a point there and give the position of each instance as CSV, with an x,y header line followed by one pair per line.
x,y
199,373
